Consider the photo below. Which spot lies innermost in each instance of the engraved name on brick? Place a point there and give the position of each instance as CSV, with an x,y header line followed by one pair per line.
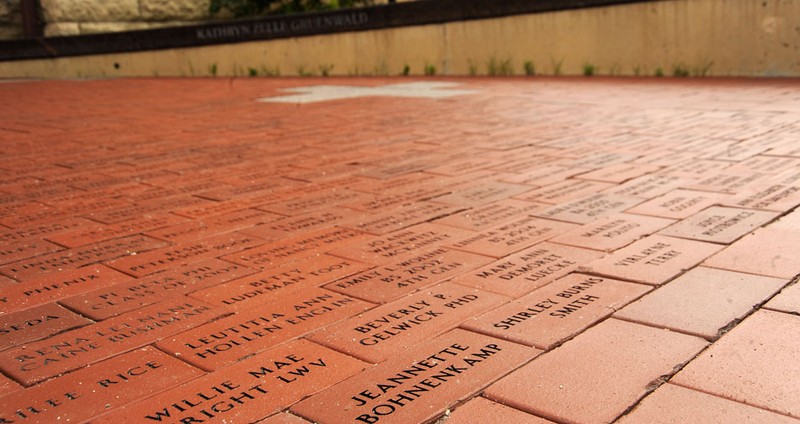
x,y
279,281
389,282
247,391
419,384
73,349
225,341
378,333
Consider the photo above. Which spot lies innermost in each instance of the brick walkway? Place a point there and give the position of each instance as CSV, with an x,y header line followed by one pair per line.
x,y
494,250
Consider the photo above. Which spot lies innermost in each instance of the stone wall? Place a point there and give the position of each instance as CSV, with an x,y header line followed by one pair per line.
x,y
10,19
73,17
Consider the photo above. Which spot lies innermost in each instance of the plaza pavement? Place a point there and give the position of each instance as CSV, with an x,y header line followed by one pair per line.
x,y
390,250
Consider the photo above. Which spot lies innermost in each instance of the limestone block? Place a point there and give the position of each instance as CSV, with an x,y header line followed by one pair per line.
x,y
181,10
62,29
10,32
9,11
90,10
166,24
103,27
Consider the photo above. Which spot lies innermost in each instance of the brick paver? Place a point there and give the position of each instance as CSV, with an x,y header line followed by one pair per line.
x,y
675,404
501,250
753,363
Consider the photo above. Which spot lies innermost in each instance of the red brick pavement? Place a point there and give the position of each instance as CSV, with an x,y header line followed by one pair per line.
x,y
528,251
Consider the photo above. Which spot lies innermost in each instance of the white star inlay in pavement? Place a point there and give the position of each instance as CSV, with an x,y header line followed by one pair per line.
x,y
321,93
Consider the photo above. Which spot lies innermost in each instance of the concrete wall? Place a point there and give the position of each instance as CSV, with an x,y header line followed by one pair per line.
x,y
699,37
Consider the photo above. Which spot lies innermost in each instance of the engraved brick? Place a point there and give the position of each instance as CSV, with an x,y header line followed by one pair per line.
x,y
182,254
29,214
399,166
91,391
206,227
648,186
621,359
36,323
25,249
544,175
373,185
419,384
133,211
677,204
770,197
600,159
695,169
612,232
719,224
206,210
789,177
57,285
653,260
726,182
736,152
37,361
379,333
511,237
87,204
558,311
9,202
525,271
619,173
293,225
279,281
79,256
100,232
462,166
481,193
156,205
386,222
258,172
588,209
564,191
296,248
253,330
392,199
400,244
43,230
250,190
313,201
491,215
386,283
247,391
762,163
119,298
